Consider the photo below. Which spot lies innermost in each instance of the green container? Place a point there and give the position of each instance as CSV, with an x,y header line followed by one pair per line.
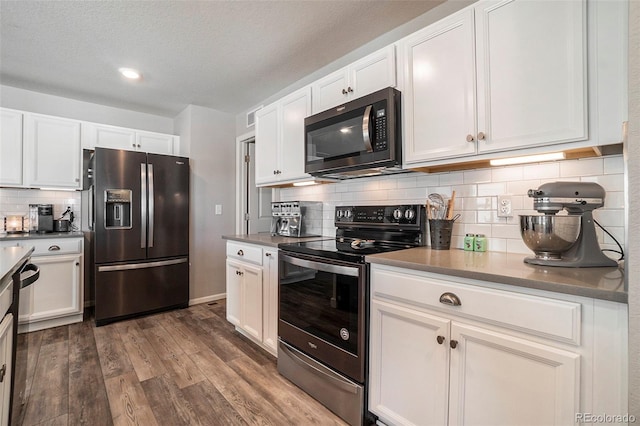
x,y
469,242
480,243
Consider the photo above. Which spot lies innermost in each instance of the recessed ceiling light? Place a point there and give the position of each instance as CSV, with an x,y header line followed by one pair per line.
x,y
130,73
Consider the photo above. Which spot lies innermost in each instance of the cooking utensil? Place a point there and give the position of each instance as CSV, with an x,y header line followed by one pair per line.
x,y
437,202
61,225
450,205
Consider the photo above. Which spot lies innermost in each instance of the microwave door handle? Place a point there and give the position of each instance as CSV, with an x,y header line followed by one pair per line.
x,y
366,124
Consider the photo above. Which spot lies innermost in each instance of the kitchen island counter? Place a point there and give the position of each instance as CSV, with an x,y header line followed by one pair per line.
x,y
503,268
11,258
269,240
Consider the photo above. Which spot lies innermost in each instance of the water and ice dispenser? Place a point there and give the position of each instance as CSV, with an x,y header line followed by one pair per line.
x,y
117,209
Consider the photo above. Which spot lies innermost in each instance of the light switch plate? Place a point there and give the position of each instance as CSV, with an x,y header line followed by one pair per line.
x,y
218,208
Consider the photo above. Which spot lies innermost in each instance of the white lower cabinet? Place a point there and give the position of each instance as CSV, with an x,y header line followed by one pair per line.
x,y
487,361
6,352
56,298
252,292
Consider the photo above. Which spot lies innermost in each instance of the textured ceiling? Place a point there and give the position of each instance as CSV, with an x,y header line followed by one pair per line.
x,y
226,55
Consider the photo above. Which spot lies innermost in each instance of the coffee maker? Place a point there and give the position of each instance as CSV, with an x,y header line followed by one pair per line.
x,y
296,218
41,218
564,240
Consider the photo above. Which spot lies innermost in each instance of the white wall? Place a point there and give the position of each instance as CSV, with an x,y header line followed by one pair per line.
x,y
208,138
26,100
633,168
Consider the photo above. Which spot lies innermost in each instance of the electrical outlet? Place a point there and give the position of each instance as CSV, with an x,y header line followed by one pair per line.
x,y
505,208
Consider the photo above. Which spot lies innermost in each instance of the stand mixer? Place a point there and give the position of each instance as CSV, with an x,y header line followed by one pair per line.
x,y
564,240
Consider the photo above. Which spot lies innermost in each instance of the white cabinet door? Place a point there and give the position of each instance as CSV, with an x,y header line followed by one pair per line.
x,y
532,78
501,379
234,283
409,365
103,136
280,139
155,143
251,301
373,72
330,91
439,97
57,293
10,147
295,108
52,152
6,366
267,136
270,302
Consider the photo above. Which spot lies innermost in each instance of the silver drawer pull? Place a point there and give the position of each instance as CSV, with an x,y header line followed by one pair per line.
x,y
54,248
240,253
450,299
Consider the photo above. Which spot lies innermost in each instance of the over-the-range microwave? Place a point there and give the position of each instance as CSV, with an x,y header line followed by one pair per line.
x,y
359,138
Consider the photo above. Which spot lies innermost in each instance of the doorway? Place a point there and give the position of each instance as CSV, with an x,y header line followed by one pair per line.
x,y
254,204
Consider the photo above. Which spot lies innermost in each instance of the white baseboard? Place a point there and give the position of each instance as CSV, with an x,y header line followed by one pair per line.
x,y
206,299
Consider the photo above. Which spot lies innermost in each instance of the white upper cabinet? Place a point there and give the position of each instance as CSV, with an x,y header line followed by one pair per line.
x,y
525,60
371,73
104,136
440,85
532,73
52,152
280,139
10,147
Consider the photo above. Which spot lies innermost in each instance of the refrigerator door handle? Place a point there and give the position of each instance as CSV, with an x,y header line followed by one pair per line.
x,y
92,198
143,205
151,212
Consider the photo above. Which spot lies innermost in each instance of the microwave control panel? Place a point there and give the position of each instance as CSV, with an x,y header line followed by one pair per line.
x,y
380,123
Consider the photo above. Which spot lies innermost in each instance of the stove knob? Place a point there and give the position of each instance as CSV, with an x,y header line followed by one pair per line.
x,y
339,213
409,214
347,214
397,214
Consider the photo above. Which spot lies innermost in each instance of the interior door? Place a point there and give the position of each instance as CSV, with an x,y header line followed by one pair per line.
x,y
258,199
168,229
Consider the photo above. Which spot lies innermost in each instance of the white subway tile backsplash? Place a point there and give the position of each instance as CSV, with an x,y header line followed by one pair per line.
x,y
582,167
476,197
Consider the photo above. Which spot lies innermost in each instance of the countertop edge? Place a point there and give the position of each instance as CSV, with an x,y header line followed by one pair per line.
x,y
608,295
17,263
269,240
50,235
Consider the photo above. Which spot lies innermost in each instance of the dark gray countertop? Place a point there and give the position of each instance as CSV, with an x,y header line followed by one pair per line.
x,y
267,239
33,236
503,268
11,258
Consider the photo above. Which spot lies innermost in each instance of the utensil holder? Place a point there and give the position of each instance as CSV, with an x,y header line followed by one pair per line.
x,y
440,233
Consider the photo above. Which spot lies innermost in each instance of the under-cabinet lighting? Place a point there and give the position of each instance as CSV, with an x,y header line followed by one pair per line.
x,y
305,183
528,159
130,73
57,189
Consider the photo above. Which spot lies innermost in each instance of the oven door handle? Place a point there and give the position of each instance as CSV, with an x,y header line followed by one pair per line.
x,y
324,267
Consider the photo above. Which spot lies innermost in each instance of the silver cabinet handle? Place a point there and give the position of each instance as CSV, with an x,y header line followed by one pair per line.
x,y
268,254
440,339
453,344
349,89
54,248
481,136
240,253
470,138
3,372
344,92
450,299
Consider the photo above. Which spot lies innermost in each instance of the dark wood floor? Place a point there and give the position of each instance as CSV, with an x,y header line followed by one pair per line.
x,y
184,367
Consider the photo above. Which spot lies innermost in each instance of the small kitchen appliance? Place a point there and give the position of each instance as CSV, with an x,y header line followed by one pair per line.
x,y
41,218
323,302
359,138
564,240
296,218
14,224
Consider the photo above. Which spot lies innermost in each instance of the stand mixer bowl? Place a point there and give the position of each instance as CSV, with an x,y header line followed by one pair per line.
x,y
549,236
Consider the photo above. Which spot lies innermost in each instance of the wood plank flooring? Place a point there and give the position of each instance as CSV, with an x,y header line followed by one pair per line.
x,y
184,367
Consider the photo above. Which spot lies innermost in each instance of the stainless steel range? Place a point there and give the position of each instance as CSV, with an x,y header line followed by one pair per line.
x,y
323,293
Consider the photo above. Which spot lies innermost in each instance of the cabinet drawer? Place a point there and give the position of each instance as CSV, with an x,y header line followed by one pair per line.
x,y
245,252
48,247
550,318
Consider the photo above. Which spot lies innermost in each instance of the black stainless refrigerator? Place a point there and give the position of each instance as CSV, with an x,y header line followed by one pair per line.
x,y
140,233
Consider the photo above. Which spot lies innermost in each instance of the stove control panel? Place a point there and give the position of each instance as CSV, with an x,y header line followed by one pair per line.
x,y
379,215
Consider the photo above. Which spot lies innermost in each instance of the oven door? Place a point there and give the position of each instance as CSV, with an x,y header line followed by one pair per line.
x,y
322,310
